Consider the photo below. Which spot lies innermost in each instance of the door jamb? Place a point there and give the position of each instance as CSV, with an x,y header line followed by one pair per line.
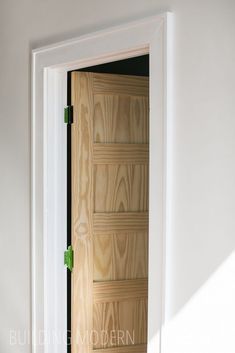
x,y
50,65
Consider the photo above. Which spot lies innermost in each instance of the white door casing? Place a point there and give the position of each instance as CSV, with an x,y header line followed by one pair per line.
x,y
50,65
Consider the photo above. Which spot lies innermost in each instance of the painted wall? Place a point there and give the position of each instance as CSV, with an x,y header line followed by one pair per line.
x,y
200,288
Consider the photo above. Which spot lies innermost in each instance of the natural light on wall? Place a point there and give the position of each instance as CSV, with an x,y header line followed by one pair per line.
x,y
206,323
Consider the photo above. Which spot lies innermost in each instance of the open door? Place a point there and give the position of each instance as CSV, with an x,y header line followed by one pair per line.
x,y
109,212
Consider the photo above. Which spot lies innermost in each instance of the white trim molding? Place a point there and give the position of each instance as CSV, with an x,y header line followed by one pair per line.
x,y
49,93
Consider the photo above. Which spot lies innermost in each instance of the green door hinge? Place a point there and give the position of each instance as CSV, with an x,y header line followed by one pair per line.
x,y
68,258
68,114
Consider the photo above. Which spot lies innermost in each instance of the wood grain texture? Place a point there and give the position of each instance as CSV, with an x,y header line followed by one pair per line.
x,y
120,84
121,119
125,290
109,223
121,256
82,209
109,211
120,188
128,317
134,348
120,153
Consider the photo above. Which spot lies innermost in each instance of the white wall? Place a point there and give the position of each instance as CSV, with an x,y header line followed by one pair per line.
x,y
200,261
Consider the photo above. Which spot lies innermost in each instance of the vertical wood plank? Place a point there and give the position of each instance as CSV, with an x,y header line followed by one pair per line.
x,y
82,208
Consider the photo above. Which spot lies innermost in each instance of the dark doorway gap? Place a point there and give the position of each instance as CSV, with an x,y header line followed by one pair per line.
x,y
138,66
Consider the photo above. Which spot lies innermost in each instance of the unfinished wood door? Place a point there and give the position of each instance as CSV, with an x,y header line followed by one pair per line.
x,y
109,213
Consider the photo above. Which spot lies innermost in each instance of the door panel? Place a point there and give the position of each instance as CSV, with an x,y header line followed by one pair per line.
x,y
120,256
121,119
115,188
109,213
120,317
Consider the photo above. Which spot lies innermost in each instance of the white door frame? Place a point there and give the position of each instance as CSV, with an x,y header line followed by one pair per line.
x,y
49,91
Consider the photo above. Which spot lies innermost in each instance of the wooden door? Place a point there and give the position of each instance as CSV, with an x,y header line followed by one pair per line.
x,y
109,213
